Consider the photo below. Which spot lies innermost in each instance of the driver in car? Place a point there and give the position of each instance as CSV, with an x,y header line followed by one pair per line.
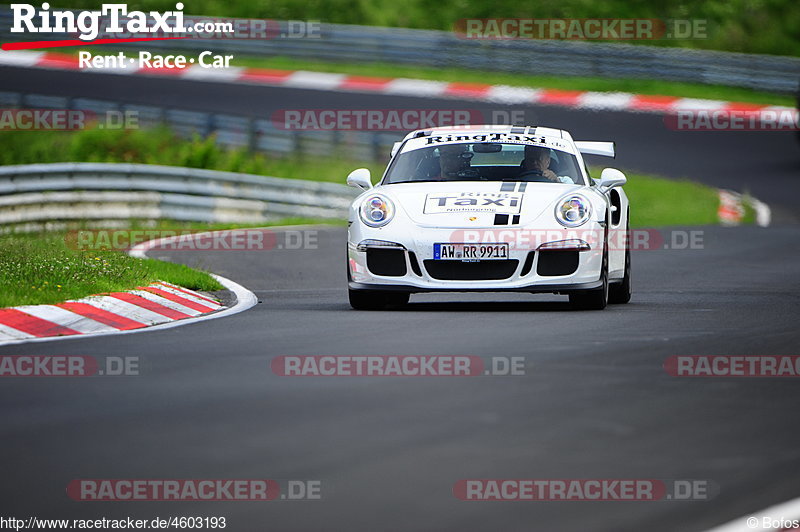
x,y
454,160
537,162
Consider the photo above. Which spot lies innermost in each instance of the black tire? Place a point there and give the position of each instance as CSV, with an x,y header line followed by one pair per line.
x,y
376,300
595,299
620,293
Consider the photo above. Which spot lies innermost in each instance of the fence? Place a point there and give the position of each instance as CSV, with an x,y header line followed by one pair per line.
x,y
32,196
360,44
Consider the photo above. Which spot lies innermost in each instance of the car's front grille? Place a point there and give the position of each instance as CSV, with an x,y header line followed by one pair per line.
x,y
456,270
557,262
386,261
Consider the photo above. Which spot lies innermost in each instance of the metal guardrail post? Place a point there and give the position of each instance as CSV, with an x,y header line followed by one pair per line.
x,y
40,193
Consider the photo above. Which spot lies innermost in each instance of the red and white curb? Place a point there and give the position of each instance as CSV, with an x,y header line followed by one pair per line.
x,y
731,208
157,306
112,312
503,94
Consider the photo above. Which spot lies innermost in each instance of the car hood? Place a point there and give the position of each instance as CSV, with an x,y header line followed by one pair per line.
x,y
476,204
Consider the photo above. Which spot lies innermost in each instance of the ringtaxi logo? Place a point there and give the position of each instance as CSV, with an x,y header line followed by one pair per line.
x,y
114,22
87,23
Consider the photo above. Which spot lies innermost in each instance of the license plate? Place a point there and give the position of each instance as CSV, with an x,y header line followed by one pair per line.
x,y
470,252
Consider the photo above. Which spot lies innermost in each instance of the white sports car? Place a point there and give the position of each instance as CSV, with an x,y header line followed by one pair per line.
x,y
489,208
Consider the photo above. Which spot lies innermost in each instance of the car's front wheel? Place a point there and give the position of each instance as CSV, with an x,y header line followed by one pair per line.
x,y
595,299
376,299
621,292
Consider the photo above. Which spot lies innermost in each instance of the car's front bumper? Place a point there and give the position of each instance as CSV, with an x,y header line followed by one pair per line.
x,y
535,289
529,274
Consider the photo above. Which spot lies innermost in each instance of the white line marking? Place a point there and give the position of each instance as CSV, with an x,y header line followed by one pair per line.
x,y
314,80
416,87
605,100
698,105
763,212
508,94
212,74
20,58
777,108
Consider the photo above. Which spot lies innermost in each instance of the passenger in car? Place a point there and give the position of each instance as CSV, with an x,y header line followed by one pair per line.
x,y
537,162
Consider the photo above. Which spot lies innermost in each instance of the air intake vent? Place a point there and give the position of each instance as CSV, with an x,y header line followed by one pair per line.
x,y
456,270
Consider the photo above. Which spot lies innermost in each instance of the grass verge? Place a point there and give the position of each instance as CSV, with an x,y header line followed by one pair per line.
x,y
662,202
160,146
42,268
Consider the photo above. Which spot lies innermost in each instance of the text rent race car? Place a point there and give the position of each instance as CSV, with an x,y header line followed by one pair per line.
x,y
489,208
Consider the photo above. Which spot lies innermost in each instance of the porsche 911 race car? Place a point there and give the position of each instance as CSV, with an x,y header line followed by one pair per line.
x,y
489,208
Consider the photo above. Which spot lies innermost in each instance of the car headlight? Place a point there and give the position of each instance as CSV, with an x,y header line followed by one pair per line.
x,y
573,211
376,210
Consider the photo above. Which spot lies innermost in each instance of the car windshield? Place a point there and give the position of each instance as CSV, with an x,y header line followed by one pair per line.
x,y
484,161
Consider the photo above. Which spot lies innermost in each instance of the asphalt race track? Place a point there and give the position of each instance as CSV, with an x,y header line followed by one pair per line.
x,y
595,401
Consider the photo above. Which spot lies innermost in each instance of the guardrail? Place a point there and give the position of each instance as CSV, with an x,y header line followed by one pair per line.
x,y
255,134
37,194
363,44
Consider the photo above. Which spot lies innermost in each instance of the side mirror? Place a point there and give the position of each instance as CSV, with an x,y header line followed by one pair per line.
x,y
610,178
360,178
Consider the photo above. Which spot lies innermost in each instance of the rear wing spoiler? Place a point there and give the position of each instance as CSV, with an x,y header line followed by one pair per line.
x,y
590,147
